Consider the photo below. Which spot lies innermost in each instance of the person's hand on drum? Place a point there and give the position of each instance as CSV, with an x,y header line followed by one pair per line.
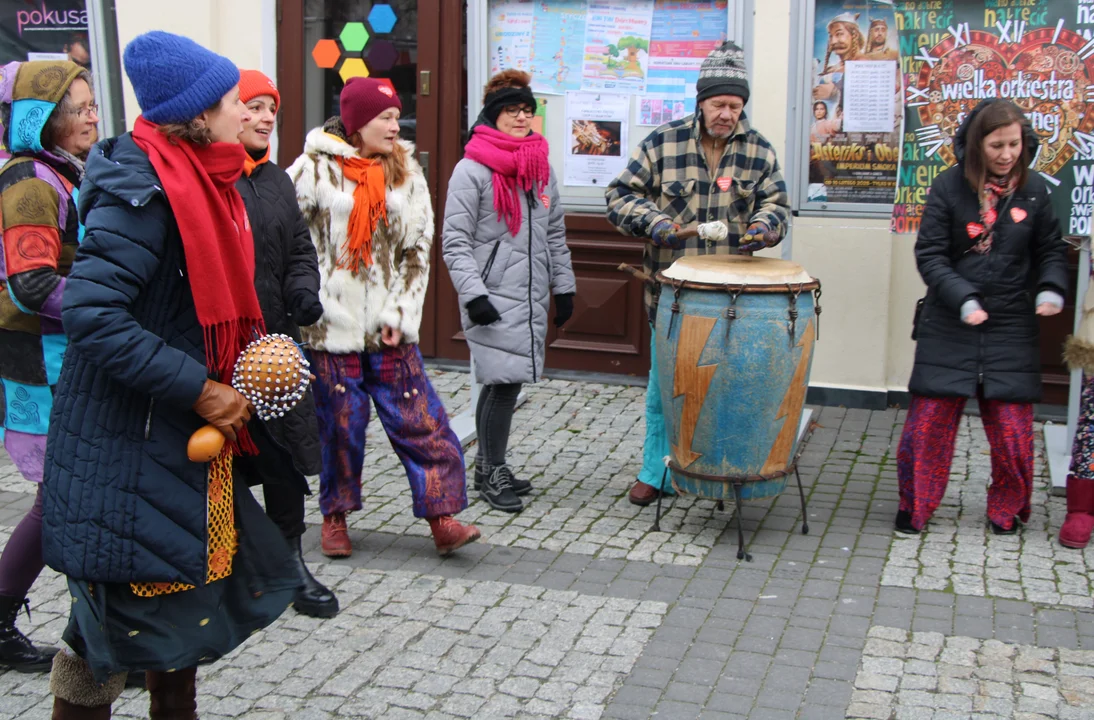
x,y
664,235
758,237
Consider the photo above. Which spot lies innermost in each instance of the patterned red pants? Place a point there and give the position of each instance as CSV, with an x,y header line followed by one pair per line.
x,y
926,453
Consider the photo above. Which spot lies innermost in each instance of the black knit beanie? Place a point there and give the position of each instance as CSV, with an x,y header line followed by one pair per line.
x,y
723,73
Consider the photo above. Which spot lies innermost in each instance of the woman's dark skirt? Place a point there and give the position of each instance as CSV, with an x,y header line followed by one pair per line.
x,y
116,631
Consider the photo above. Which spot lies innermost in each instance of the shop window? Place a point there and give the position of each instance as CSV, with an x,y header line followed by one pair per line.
x,y
348,38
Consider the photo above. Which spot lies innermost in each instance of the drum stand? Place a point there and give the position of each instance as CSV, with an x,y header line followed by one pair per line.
x,y
738,483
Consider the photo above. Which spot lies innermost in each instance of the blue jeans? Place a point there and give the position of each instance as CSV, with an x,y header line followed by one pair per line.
x,y
657,440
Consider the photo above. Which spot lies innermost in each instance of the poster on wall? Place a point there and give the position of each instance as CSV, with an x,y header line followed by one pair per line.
x,y
683,35
617,45
855,113
511,35
1032,52
597,140
558,45
44,30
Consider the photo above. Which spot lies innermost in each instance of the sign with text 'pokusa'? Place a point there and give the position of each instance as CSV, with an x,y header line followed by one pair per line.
x,y
1038,54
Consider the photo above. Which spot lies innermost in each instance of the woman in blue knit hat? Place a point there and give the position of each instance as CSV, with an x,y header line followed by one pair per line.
x,y
170,563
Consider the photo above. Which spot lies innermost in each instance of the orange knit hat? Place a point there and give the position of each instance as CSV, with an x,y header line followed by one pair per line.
x,y
254,84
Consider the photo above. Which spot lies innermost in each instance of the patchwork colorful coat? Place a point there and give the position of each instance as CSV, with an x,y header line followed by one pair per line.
x,y
39,232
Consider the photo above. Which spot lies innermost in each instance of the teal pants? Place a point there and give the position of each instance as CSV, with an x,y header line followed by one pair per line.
x,y
657,440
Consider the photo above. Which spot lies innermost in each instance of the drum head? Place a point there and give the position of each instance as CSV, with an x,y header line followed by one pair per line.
x,y
736,270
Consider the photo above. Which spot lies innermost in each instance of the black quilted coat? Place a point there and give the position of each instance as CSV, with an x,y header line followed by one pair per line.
x,y
1027,256
287,282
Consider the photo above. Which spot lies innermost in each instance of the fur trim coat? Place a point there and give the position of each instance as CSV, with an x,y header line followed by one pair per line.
x,y
356,306
1079,348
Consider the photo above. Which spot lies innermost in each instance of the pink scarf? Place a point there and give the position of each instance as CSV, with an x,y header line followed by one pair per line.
x,y
518,164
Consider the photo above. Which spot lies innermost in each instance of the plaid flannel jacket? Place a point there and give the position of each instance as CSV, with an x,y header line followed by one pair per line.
x,y
667,179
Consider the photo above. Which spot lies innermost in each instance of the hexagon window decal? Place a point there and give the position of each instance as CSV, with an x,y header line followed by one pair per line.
x,y
326,54
382,55
353,67
354,37
381,18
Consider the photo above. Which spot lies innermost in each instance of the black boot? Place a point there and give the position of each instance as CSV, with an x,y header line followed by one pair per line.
x,y
314,599
497,489
16,652
520,487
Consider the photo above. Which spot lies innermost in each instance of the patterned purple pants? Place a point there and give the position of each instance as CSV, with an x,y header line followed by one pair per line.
x,y
926,453
413,418
1082,450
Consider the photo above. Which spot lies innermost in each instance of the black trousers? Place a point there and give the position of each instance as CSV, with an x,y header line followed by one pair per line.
x,y
493,423
283,486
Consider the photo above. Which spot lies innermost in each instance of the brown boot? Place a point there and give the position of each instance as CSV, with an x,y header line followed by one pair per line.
x,y
64,710
642,494
76,694
449,535
172,695
335,538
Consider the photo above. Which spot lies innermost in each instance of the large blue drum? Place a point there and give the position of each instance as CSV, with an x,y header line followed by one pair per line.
x,y
734,346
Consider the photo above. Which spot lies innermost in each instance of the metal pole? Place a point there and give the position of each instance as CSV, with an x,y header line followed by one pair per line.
x,y
102,27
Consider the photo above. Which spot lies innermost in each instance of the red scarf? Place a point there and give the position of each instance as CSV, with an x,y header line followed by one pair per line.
x,y
995,189
216,239
518,164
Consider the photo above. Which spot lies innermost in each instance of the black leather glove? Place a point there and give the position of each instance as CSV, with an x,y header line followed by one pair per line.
x,y
482,312
564,308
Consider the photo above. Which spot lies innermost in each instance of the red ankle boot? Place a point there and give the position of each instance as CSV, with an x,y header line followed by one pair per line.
x,y
450,535
1077,527
335,541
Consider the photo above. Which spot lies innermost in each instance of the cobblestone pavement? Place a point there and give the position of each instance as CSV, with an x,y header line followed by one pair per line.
x,y
574,609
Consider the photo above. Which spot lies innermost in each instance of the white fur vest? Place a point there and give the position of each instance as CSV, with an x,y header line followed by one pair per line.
x,y
356,306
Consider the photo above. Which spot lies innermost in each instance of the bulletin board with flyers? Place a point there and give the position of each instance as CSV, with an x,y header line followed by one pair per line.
x,y
605,73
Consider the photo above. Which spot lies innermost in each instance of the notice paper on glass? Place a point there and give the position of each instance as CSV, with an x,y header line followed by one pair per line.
x,y
597,146
511,35
868,96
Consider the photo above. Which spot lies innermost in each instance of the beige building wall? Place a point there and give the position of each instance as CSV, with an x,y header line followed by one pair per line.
x,y
868,275
242,30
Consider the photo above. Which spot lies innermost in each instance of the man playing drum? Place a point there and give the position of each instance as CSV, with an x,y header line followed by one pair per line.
x,y
668,184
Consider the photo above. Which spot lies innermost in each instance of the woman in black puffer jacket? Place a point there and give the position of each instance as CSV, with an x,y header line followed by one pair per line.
x,y
287,283
990,251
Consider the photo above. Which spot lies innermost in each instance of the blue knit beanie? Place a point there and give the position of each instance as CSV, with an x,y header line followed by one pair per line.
x,y
174,78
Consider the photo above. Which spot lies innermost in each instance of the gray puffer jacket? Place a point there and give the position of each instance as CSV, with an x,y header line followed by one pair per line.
x,y
519,273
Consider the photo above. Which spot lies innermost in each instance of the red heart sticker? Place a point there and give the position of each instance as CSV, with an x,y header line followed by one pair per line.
x,y
975,230
1018,214
546,201
724,183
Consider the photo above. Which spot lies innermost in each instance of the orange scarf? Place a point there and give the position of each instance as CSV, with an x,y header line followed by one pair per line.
x,y
249,163
369,207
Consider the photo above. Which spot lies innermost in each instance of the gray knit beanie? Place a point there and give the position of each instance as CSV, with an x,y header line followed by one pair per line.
x,y
723,73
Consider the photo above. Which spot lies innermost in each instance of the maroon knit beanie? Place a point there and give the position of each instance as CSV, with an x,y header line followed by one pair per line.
x,y
363,99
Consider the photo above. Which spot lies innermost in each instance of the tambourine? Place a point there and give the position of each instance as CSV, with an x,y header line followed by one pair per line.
x,y
273,374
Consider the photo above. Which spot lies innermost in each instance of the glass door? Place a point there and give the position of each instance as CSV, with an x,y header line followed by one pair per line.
x,y
359,38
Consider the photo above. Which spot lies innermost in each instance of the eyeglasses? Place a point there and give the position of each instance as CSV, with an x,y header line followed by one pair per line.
x,y
86,111
515,110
